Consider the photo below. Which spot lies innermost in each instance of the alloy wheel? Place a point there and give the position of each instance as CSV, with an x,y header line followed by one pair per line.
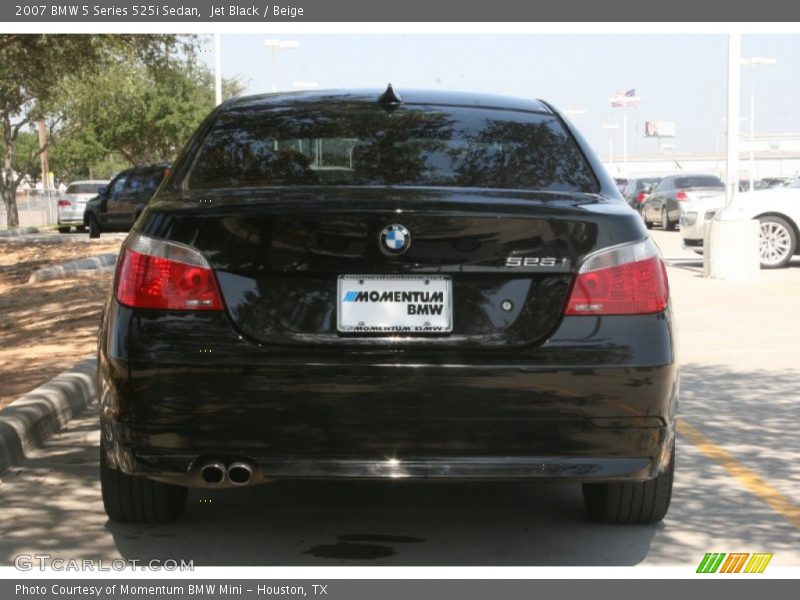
x,y
775,243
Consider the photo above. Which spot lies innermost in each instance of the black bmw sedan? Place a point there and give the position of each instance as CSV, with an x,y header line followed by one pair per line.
x,y
372,284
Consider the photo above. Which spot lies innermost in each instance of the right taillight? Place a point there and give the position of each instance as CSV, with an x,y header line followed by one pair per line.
x,y
165,275
640,197
629,279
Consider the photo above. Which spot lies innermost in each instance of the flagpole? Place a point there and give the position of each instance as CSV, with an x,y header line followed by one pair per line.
x,y
625,141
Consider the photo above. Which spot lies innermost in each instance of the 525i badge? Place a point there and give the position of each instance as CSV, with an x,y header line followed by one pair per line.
x,y
536,261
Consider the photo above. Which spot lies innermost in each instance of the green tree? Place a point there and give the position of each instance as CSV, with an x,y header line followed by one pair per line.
x,y
144,114
33,71
74,156
25,158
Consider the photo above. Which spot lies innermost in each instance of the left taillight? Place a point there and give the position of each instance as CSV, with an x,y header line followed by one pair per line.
x,y
682,196
165,275
623,280
64,202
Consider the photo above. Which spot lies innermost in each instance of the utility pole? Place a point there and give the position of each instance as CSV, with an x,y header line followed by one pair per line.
x,y
217,69
732,141
43,155
731,248
753,63
625,142
275,46
45,168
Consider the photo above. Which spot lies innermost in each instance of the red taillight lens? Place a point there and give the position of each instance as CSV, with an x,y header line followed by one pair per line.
x,y
681,197
167,276
64,203
640,198
626,280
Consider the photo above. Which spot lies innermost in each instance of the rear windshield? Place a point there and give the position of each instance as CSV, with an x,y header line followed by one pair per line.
x,y
643,183
358,144
84,188
700,181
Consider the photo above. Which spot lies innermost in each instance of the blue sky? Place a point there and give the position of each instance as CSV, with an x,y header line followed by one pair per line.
x,y
679,77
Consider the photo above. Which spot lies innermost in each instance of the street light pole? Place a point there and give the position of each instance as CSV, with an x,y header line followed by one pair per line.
x,y
752,130
754,62
625,142
275,46
732,142
731,242
610,127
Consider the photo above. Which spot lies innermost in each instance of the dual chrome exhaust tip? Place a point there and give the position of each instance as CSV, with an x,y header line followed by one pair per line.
x,y
236,473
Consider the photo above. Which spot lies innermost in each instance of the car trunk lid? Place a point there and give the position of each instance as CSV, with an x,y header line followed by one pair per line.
x,y
280,256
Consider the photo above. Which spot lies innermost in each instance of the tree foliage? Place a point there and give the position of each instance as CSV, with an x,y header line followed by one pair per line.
x,y
102,97
144,114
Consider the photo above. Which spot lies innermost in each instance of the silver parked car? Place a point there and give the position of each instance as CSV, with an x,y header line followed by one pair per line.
x,y
672,196
72,203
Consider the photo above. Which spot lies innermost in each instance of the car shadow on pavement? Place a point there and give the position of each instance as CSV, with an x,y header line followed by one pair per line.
x,y
387,523
52,504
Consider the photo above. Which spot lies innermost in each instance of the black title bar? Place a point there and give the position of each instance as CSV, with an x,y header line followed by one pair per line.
x,y
199,11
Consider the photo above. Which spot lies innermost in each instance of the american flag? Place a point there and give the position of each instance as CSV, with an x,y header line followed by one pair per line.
x,y
624,99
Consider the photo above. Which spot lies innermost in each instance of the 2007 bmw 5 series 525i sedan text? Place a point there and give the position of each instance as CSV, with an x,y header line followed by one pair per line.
x,y
355,284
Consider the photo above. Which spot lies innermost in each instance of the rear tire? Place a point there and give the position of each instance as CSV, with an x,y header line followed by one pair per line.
x,y
129,499
94,228
63,230
647,223
631,501
666,224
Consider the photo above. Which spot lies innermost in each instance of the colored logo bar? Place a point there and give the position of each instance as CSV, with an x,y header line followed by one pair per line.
x,y
734,562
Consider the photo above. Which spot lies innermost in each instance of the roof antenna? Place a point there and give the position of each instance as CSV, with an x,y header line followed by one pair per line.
x,y
389,99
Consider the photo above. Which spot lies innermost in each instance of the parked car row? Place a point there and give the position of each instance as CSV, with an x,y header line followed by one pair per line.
x,y
638,189
109,206
692,200
72,203
116,207
674,193
777,209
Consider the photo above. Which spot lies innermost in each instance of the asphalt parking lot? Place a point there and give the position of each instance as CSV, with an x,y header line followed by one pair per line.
x,y
736,490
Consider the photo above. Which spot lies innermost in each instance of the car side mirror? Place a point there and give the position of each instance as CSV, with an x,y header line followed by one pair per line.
x,y
102,191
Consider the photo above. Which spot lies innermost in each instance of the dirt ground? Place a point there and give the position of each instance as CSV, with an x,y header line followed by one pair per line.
x,y
47,327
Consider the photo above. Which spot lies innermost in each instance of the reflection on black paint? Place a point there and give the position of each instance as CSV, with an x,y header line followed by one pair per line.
x,y
356,143
519,155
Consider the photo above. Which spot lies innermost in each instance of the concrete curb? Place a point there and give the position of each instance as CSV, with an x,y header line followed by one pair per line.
x,y
32,418
5,233
99,263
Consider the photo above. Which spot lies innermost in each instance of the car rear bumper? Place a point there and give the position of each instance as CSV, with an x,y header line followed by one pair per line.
x,y
693,223
75,220
595,402
186,469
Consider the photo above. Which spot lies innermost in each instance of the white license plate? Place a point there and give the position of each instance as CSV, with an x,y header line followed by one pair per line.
x,y
394,304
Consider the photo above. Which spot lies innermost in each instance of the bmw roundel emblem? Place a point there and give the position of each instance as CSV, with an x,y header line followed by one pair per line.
x,y
395,239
